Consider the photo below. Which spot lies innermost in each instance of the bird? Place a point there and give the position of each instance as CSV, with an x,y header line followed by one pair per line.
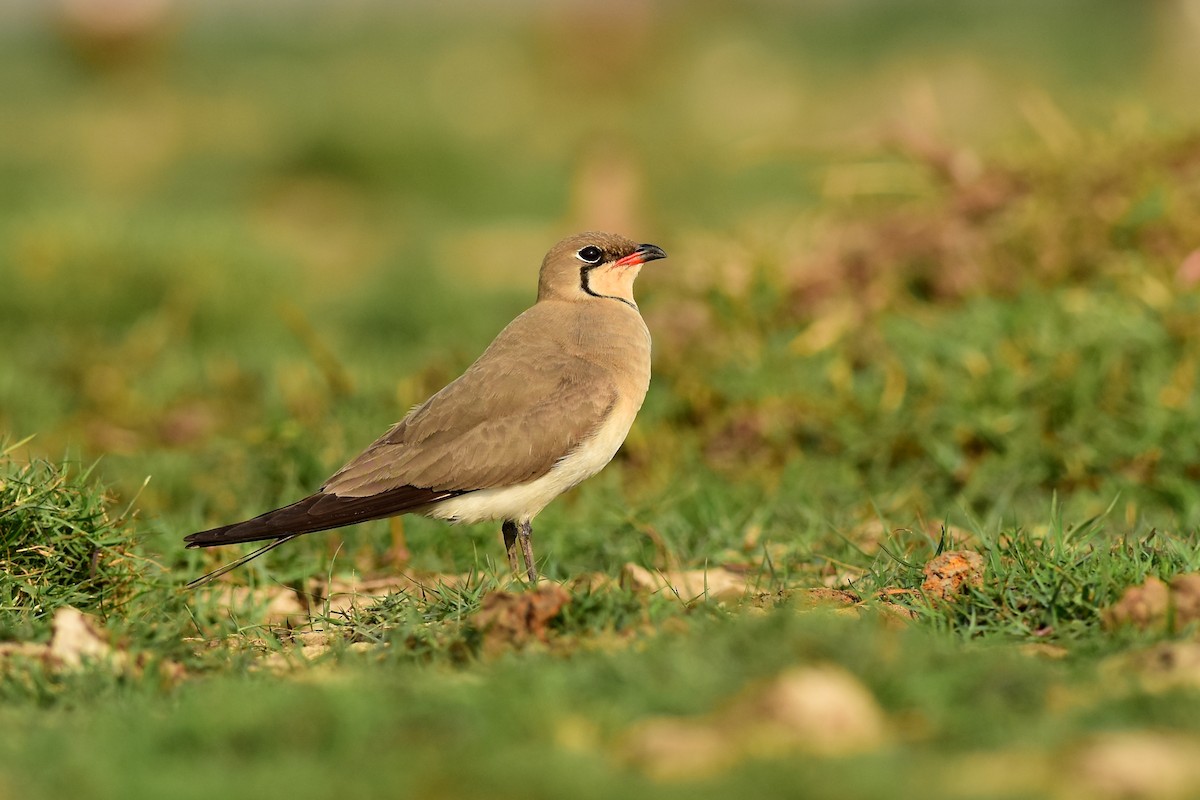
x,y
546,406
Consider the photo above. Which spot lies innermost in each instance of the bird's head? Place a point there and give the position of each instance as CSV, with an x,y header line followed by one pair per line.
x,y
594,266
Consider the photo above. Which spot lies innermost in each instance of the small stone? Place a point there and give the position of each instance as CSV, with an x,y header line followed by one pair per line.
x,y
951,573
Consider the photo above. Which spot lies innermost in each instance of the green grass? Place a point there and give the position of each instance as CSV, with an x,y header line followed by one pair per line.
x,y
922,296
60,546
539,724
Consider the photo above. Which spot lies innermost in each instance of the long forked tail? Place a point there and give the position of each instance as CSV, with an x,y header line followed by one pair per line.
x,y
216,573
317,512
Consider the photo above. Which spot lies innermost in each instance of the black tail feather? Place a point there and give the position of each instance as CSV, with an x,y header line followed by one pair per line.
x,y
216,573
319,512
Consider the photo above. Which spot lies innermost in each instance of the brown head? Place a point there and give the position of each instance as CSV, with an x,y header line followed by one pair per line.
x,y
594,265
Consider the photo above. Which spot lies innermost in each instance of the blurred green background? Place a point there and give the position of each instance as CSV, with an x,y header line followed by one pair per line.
x,y
932,282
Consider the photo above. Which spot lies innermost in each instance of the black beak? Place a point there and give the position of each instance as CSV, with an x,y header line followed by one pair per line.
x,y
642,254
650,252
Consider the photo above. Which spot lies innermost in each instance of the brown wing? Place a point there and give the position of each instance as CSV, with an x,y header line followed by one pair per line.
x,y
518,410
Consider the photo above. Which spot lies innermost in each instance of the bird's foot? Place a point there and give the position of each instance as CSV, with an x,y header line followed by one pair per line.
x,y
524,534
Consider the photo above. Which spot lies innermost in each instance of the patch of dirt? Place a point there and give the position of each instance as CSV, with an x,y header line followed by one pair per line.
x,y
1155,605
286,606
675,749
821,711
952,573
1052,652
515,619
1135,764
1163,667
75,640
1188,274
274,604
824,597
716,583
1185,596
346,594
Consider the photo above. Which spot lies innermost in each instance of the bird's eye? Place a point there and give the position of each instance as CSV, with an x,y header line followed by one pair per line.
x,y
590,254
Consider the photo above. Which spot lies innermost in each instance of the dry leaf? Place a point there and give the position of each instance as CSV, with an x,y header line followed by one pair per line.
x,y
952,572
74,639
514,619
718,583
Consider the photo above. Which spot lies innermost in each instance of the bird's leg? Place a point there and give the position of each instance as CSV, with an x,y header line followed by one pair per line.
x,y
510,544
524,531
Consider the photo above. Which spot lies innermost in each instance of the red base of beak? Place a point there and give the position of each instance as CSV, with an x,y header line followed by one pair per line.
x,y
643,253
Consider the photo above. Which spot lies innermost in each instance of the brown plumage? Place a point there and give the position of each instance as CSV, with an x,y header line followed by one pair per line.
x,y
544,407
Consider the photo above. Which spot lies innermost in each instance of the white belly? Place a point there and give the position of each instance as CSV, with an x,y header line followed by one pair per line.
x,y
523,501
